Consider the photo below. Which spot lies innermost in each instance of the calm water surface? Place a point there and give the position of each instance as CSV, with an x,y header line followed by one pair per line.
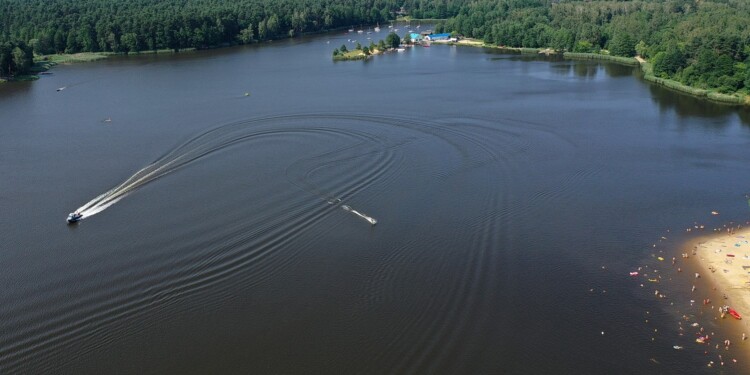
x,y
512,197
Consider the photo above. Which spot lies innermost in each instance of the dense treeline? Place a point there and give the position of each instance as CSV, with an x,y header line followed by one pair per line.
x,y
701,43
15,58
71,26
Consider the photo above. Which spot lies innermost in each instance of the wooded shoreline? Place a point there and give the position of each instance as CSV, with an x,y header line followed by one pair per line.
x,y
44,63
645,66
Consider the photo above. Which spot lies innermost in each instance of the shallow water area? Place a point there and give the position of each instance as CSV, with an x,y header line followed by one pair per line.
x,y
512,196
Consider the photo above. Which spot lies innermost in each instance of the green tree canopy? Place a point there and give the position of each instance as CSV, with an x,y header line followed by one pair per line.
x,y
622,44
392,40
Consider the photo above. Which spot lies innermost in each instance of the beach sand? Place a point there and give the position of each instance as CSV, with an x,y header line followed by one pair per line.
x,y
725,260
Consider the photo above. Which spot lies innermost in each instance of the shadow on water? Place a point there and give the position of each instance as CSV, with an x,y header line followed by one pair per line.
x,y
10,89
573,69
563,67
616,70
686,106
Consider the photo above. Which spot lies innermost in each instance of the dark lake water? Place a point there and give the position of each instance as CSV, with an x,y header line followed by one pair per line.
x,y
512,196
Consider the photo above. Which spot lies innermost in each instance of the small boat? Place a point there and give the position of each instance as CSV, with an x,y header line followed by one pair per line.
x,y
377,29
74,217
634,273
61,88
734,313
359,31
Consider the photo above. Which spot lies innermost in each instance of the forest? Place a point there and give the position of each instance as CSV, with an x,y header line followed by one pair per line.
x,y
701,43
123,26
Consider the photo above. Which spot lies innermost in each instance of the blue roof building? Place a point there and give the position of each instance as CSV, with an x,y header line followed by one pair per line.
x,y
444,36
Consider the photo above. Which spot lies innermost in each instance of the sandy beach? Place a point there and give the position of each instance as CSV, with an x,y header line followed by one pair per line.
x,y
725,260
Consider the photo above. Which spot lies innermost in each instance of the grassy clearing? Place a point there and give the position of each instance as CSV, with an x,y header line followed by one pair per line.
x,y
350,56
167,50
73,58
471,42
630,61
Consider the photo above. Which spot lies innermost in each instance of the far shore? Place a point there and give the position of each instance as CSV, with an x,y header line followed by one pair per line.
x,y
44,63
646,68
725,260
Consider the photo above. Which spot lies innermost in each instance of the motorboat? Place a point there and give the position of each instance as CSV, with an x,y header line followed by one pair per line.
x,y
74,217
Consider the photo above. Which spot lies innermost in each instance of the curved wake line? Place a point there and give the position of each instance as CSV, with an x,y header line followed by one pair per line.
x,y
237,132
192,150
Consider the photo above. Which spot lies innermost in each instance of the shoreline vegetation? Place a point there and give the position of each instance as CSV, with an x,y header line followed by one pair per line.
x,y
685,48
391,43
646,67
42,64
648,75
736,99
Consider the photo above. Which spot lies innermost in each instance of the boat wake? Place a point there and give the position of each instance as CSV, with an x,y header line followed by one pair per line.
x,y
103,201
212,141
194,149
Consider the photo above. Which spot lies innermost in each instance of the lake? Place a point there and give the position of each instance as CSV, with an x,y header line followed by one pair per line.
x,y
512,194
